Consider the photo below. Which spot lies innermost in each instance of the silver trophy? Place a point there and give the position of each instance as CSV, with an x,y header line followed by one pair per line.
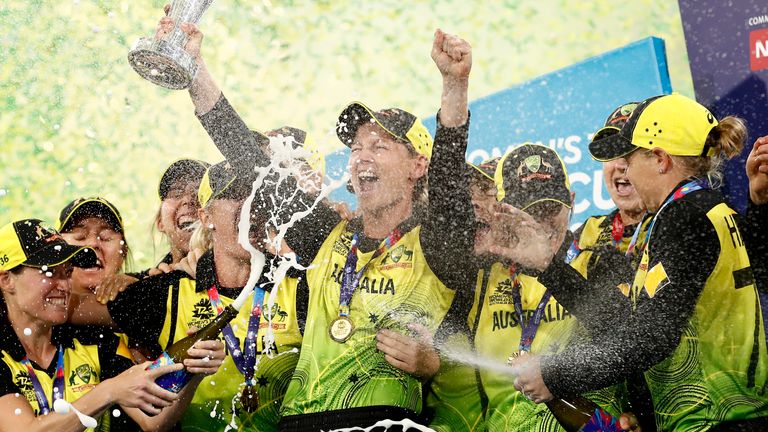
x,y
164,61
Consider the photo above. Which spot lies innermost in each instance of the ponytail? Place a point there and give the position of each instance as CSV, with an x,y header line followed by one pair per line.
x,y
727,138
727,141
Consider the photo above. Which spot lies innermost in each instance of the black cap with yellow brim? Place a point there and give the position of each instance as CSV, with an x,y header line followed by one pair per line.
x,y
31,243
221,182
529,174
187,170
401,124
673,123
91,206
486,168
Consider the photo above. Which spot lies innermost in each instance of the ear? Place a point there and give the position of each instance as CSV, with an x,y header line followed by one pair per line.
x,y
419,168
203,216
6,281
158,222
663,160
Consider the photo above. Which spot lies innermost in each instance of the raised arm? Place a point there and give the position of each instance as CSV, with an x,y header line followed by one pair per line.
x,y
450,222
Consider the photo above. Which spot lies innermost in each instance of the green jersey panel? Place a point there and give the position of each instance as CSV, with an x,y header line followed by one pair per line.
x,y
714,375
215,405
396,289
498,335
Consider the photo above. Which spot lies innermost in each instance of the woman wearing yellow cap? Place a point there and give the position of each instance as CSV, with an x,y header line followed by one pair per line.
x,y
693,323
42,359
353,369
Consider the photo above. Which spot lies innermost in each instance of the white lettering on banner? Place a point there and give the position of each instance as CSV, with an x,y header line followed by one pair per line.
x,y
757,20
579,205
761,49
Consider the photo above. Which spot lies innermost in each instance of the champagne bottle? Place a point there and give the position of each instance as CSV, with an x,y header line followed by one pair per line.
x,y
177,352
579,414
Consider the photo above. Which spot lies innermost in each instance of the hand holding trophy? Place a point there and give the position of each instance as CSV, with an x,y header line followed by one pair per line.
x,y
163,60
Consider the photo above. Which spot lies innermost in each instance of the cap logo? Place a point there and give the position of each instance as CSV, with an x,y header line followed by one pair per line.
x,y
710,118
533,165
47,235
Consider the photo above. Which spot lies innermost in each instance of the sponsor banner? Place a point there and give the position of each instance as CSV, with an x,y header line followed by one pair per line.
x,y
727,46
562,110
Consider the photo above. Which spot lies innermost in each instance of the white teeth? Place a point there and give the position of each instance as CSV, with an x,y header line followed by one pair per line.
x,y
367,175
56,301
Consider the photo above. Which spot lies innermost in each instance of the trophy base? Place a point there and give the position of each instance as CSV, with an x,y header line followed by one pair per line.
x,y
163,64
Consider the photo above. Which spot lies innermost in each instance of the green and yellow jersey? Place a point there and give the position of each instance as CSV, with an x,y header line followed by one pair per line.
x,y
89,359
184,303
693,324
396,289
498,335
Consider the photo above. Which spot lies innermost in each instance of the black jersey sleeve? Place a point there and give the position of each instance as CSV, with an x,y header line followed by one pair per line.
x,y
596,302
448,230
686,244
140,311
232,137
7,386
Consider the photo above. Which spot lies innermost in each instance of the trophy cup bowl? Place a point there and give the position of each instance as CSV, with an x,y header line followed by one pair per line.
x,y
163,61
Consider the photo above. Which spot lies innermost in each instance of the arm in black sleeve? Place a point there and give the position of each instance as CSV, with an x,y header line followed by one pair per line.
x,y
597,303
140,311
682,233
232,137
448,232
755,233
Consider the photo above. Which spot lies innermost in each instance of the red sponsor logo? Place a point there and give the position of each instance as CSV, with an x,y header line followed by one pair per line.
x,y
758,49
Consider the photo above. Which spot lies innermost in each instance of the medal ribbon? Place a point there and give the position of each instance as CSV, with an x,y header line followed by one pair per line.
x,y
682,191
528,332
58,382
617,230
351,278
244,362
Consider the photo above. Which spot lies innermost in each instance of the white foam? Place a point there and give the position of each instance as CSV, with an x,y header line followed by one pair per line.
x,y
60,406
386,424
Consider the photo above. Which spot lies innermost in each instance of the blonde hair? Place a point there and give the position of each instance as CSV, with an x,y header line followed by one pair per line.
x,y
727,140
202,238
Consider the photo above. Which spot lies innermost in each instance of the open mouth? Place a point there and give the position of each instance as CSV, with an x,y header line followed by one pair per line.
x,y
187,223
56,301
623,187
98,267
367,180
481,230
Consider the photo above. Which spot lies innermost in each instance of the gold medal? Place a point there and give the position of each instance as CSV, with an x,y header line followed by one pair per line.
x,y
341,329
249,398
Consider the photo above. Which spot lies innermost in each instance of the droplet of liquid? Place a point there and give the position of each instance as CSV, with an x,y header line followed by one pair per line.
x,y
27,331
116,412
210,226
213,382
44,268
122,242
155,72
48,274
17,411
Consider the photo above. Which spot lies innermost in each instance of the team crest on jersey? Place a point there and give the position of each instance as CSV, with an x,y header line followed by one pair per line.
x,y
399,257
502,294
84,372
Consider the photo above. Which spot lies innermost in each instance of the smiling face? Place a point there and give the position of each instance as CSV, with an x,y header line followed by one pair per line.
x,y
38,295
108,244
622,191
643,172
384,170
178,214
